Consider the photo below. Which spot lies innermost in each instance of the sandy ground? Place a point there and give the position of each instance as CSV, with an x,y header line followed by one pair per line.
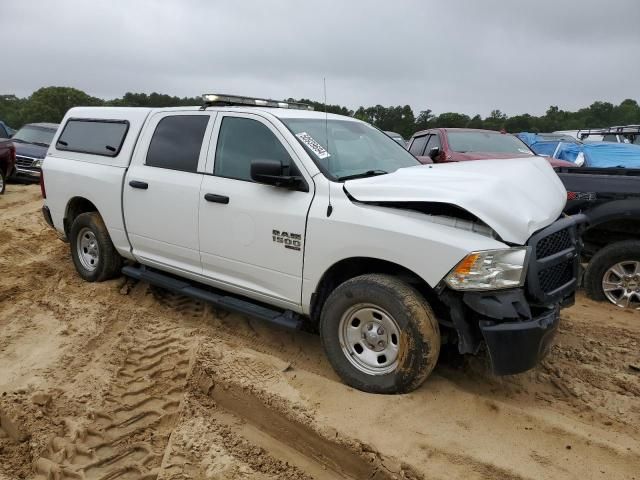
x,y
121,381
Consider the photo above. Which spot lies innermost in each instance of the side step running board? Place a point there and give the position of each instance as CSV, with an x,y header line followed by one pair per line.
x,y
286,318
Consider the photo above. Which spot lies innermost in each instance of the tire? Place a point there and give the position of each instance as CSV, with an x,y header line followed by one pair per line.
x,y
380,301
89,235
3,183
625,258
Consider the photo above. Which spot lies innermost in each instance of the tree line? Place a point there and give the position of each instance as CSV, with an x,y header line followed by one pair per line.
x,y
49,104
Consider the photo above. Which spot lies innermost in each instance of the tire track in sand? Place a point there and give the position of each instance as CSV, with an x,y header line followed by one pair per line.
x,y
127,439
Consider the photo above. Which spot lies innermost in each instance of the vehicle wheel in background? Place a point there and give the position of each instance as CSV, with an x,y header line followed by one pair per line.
x,y
613,274
379,334
3,182
92,251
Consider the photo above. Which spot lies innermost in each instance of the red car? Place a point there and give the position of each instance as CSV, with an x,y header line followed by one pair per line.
x,y
7,161
443,145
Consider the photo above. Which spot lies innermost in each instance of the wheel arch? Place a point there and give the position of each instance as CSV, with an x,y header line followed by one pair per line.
x,y
616,223
351,267
76,206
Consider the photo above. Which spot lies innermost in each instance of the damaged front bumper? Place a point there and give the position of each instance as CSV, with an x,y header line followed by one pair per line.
x,y
516,347
518,325
517,339
516,335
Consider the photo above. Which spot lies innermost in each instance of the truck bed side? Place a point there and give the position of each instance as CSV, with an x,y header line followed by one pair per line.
x,y
605,181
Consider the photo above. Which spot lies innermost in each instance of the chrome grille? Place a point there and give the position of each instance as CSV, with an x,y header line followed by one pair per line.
x,y
24,161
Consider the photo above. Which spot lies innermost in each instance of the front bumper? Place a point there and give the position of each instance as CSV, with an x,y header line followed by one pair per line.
x,y
28,173
515,347
518,325
517,334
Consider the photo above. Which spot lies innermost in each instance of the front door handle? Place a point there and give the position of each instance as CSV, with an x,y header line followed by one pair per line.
x,y
138,184
212,197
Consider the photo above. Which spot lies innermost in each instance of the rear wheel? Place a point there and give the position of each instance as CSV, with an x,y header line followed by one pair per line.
x,y
613,274
92,251
379,334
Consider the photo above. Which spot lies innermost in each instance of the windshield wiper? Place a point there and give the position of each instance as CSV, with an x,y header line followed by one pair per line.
x,y
368,173
41,144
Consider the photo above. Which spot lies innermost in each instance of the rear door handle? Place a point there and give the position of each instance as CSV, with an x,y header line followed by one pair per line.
x,y
138,184
212,197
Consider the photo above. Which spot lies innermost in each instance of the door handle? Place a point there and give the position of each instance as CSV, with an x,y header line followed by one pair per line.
x,y
212,197
138,184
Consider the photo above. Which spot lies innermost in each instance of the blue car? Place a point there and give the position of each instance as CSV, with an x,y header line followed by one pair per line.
x,y
32,142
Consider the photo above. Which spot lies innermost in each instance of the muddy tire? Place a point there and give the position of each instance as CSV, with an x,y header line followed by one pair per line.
x,y
613,274
3,183
92,250
379,334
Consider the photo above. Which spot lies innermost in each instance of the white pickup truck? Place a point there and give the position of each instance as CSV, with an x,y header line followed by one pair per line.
x,y
299,217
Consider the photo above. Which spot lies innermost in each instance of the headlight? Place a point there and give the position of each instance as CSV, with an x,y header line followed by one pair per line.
x,y
490,270
37,163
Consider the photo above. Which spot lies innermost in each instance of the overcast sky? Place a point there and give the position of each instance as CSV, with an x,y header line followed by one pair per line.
x,y
456,55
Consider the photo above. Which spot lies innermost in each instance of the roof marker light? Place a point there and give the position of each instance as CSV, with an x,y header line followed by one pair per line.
x,y
211,99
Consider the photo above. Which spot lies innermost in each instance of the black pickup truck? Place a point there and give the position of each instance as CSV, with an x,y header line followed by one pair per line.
x,y
610,198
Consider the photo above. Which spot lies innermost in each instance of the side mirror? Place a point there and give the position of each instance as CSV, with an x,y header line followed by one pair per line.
x,y
271,172
434,152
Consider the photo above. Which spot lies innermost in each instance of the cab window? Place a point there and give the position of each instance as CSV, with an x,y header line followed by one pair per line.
x,y
242,140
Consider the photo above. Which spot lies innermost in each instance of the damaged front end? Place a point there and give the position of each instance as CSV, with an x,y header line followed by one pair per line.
x,y
518,324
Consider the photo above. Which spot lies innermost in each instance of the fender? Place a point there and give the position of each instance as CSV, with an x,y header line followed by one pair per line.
x,y
614,210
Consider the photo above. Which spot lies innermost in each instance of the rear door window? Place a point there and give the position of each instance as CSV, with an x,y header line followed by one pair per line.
x,y
96,137
176,142
418,144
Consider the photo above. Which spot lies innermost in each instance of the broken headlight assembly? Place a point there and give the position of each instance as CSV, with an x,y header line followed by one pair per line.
x,y
490,270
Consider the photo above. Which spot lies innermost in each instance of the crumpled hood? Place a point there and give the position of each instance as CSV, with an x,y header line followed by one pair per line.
x,y
515,198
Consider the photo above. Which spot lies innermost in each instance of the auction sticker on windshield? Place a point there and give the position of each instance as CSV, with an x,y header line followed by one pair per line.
x,y
314,146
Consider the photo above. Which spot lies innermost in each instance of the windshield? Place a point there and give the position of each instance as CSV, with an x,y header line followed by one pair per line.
x,y
558,138
465,142
37,135
354,148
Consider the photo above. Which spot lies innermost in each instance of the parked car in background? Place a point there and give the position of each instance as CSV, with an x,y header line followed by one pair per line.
x,y
595,135
397,137
32,142
5,130
556,137
7,161
574,134
548,144
445,145
610,200
620,134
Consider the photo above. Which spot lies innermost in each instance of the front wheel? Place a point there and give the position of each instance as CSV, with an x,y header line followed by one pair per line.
x,y
3,182
613,274
92,251
379,334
